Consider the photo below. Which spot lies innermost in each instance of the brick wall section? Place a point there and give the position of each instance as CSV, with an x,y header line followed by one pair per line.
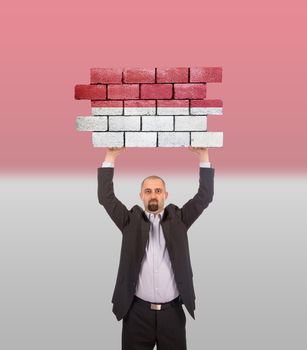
x,y
150,107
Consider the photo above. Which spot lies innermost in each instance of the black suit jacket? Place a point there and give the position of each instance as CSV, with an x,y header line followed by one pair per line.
x,y
135,225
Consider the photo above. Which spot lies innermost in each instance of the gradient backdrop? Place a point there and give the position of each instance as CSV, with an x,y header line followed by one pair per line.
x,y
59,250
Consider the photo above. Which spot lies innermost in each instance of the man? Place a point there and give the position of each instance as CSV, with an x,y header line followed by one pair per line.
x,y
155,275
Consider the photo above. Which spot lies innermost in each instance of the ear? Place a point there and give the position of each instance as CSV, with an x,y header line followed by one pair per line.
x,y
166,195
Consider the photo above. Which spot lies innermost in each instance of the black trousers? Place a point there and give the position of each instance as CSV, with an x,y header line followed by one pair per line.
x,y
143,328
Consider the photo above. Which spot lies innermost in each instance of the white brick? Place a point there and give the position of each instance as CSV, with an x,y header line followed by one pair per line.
x,y
91,123
206,110
107,111
173,110
124,123
139,110
108,139
173,139
190,123
157,123
206,139
140,139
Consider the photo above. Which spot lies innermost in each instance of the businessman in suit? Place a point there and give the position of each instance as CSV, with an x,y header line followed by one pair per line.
x,y
155,276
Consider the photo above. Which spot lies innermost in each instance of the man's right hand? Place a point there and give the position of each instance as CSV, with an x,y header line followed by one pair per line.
x,y
112,153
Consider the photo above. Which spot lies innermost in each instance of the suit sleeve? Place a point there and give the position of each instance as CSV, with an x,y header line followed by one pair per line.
x,y
192,209
114,207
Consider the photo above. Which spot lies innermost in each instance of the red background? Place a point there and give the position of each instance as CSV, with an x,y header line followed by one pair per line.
x,y
47,49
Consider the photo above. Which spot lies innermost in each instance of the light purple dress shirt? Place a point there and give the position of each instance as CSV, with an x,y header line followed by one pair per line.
x,y
156,281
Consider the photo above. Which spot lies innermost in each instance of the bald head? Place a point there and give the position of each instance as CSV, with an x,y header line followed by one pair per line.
x,y
153,177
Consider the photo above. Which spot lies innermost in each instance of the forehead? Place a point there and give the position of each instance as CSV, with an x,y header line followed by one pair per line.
x,y
153,183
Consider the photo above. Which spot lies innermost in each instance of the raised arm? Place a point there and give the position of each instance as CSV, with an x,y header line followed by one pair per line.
x,y
114,207
192,209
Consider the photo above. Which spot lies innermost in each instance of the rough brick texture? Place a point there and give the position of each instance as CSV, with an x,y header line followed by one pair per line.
x,y
139,75
206,75
123,92
173,75
155,91
124,124
106,75
191,91
90,92
150,107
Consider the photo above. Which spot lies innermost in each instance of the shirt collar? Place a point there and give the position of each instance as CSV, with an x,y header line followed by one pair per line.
x,y
161,213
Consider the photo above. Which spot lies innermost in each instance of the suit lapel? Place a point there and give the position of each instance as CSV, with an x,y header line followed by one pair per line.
x,y
165,223
145,226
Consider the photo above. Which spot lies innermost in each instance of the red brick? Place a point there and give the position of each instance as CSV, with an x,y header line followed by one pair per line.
x,y
173,75
190,91
173,103
107,104
206,103
106,75
122,92
206,75
139,75
140,103
90,92
156,91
